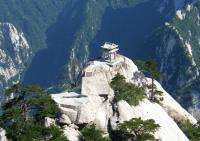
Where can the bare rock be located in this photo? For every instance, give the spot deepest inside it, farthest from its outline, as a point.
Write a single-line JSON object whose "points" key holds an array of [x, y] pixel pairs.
{"points": [[71, 133], [64, 119], [49, 121], [147, 110], [73, 126], [3, 135]]}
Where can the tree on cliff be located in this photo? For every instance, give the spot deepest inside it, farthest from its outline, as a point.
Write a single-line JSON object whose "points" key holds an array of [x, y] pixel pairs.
{"points": [[90, 133], [20, 93], [23, 116], [150, 68], [192, 131], [126, 91], [137, 129]]}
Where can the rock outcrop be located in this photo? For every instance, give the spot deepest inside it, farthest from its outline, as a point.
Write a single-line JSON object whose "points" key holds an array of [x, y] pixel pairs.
{"points": [[72, 133], [65, 120], [94, 102], [3, 135], [147, 110], [49, 122]]}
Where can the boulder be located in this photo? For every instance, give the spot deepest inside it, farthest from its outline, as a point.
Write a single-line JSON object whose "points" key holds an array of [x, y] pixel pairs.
{"points": [[64, 119], [3, 135], [71, 113], [79, 108], [87, 111], [71, 133], [49, 121], [114, 121], [101, 120]]}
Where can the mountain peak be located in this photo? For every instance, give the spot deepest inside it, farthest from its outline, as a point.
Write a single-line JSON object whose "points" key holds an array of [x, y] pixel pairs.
{"points": [[94, 101]]}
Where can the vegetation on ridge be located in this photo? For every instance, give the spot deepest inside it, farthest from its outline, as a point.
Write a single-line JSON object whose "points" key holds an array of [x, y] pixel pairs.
{"points": [[137, 129], [192, 131], [126, 91], [23, 116], [150, 68], [90, 133]]}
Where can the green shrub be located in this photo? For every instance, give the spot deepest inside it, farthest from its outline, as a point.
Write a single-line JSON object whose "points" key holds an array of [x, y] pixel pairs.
{"points": [[150, 68], [23, 116], [138, 130], [92, 134], [192, 131], [127, 91]]}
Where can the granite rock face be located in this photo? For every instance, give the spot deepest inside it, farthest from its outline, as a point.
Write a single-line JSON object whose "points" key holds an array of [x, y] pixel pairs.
{"points": [[93, 103], [15, 53], [147, 110], [3, 135]]}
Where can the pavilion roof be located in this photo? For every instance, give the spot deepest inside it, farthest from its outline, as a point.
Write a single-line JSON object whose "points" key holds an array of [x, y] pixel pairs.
{"points": [[109, 46]]}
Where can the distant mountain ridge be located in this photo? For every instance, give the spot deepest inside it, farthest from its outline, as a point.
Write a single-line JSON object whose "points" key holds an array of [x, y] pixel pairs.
{"points": [[80, 35], [177, 50]]}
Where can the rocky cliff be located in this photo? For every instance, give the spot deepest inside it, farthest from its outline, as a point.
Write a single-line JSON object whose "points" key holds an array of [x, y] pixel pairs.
{"points": [[93, 103], [15, 53], [70, 31], [177, 50], [23, 28]]}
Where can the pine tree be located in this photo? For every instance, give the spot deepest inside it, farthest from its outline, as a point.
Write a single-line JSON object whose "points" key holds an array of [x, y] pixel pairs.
{"points": [[23, 116], [137, 129], [21, 93], [126, 91], [150, 68], [90, 133]]}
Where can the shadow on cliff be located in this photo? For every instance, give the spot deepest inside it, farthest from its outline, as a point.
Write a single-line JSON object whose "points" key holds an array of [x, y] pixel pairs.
{"points": [[129, 28], [47, 63]]}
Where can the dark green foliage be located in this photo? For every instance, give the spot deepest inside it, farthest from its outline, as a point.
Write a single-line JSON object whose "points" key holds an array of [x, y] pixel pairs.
{"points": [[184, 31], [46, 107], [32, 17], [33, 89], [192, 131], [132, 94], [117, 84], [92, 134], [11, 102], [20, 125], [188, 30], [158, 95], [9, 114], [21, 97], [21, 131], [152, 69], [138, 130], [126, 91], [17, 88], [56, 133], [34, 131], [149, 67]]}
